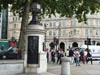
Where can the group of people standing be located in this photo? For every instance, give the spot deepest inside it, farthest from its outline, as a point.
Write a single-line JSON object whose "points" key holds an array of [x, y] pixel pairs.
{"points": [[76, 56], [55, 56], [84, 56]]}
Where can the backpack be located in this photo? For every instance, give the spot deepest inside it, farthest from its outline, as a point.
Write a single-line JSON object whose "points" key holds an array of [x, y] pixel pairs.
{"points": [[76, 54]]}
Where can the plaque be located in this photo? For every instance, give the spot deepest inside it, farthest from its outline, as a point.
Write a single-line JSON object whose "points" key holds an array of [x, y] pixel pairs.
{"points": [[33, 46]]}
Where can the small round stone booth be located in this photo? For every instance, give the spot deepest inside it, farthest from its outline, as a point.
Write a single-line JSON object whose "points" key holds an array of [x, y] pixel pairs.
{"points": [[35, 58]]}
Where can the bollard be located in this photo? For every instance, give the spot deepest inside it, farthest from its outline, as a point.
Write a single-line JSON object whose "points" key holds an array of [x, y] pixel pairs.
{"points": [[65, 66]]}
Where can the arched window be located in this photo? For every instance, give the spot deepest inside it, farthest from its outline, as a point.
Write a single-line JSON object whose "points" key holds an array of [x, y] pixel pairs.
{"points": [[74, 22]]}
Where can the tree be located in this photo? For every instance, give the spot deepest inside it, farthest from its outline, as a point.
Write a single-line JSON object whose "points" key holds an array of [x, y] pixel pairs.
{"points": [[68, 8]]}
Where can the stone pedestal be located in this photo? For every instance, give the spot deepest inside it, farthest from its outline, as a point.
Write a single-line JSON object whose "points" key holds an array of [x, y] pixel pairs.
{"points": [[65, 67], [11, 67], [41, 63]]}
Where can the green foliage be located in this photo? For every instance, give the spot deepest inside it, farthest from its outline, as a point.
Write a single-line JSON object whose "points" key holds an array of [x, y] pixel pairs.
{"points": [[68, 8], [48, 7]]}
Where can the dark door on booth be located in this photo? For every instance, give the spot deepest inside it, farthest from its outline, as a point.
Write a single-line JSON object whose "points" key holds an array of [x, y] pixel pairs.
{"points": [[33, 46]]}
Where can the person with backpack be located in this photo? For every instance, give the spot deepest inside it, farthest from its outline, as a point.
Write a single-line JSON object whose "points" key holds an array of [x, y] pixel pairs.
{"points": [[77, 57], [61, 52]]}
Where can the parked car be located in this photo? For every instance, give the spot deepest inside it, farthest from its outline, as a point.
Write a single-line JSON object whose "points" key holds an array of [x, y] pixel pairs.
{"points": [[8, 54]]}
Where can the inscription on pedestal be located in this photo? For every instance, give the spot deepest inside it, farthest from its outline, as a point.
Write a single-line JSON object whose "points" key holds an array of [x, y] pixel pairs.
{"points": [[33, 44]]}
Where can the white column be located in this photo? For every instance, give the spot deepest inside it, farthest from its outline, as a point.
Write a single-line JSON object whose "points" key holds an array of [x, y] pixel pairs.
{"points": [[65, 67], [0, 24]]}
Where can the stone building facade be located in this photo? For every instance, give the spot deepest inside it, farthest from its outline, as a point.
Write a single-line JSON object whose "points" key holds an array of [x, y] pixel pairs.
{"points": [[70, 32]]}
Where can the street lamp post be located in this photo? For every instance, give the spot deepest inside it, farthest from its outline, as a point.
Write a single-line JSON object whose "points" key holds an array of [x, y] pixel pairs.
{"points": [[69, 39], [70, 33], [58, 27], [45, 36], [87, 43]]}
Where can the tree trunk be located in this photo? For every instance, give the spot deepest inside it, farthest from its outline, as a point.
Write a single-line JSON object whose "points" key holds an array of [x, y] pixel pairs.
{"points": [[24, 23]]}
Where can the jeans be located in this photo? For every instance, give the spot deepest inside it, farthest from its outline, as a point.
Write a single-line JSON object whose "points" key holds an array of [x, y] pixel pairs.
{"points": [[77, 61], [72, 60]]}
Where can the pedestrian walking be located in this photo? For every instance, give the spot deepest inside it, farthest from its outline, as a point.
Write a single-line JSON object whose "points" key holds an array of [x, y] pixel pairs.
{"points": [[85, 56], [53, 56], [61, 55], [89, 56], [77, 57], [71, 55], [58, 56], [47, 55]]}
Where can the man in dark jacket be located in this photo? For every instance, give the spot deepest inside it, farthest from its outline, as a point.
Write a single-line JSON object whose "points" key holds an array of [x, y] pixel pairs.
{"points": [[71, 55]]}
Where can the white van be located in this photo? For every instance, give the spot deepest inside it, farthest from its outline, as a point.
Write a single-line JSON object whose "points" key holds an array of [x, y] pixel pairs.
{"points": [[95, 51]]}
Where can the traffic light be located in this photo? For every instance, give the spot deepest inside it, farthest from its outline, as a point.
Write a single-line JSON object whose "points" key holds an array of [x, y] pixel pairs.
{"points": [[93, 42], [89, 41], [85, 42], [55, 40]]}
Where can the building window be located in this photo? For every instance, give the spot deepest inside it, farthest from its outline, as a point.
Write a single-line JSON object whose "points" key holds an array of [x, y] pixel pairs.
{"points": [[96, 32], [86, 32], [74, 22], [64, 24], [14, 33], [64, 33], [50, 33], [15, 26], [59, 24], [97, 22], [54, 34], [74, 32], [54, 24], [14, 18], [50, 24], [91, 22], [91, 32]]}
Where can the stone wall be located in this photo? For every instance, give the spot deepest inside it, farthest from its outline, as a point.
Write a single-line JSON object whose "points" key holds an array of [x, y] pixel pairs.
{"points": [[11, 67]]}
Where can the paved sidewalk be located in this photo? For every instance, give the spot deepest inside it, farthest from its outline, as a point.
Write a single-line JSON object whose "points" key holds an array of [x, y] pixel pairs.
{"points": [[84, 69]]}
